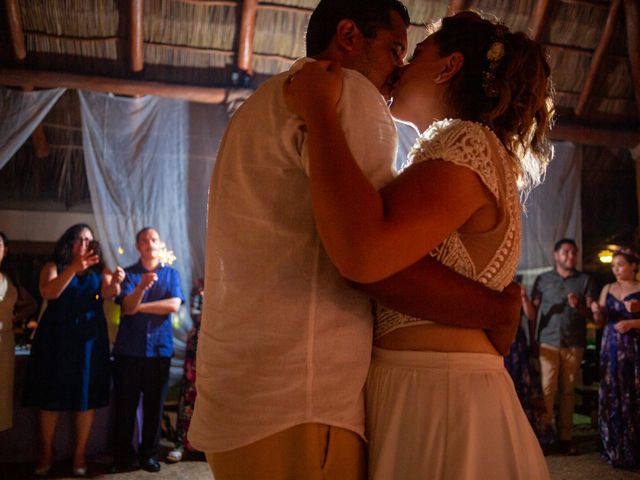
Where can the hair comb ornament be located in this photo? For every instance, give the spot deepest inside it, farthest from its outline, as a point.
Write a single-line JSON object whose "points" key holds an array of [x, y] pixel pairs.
{"points": [[495, 54]]}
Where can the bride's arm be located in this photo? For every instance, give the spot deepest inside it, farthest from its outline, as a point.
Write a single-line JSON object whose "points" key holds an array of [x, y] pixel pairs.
{"points": [[370, 235]]}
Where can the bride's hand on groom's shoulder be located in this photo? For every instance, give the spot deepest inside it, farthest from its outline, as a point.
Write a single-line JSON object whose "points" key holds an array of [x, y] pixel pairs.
{"points": [[316, 86]]}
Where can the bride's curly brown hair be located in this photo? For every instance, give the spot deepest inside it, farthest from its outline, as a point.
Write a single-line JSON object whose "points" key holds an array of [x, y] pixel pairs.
{"points": [[518, 103]]}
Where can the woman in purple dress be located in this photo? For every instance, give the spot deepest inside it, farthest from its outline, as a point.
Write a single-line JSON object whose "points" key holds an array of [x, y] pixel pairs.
{"points": [[619, 395]]}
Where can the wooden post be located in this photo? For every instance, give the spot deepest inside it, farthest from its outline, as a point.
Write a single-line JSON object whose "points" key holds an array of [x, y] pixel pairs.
{"points": [[137, 35], [247, 32], [632, 16], [40, 144], [457, 5], [583, 135], [537, 23], [635, 155], [44, 79], [15, 29], [598, 56]]}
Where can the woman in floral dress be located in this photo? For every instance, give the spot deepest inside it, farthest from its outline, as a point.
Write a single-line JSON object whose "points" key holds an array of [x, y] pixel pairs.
{"points": [[188, 384], [619, 395]]}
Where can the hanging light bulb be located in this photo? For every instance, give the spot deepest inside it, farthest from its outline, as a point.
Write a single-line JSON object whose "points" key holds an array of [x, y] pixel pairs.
{"points": [[605, 256]]}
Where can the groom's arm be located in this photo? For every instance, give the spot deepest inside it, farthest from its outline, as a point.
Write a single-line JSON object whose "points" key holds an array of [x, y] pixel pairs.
{"points": [[428, 289]]}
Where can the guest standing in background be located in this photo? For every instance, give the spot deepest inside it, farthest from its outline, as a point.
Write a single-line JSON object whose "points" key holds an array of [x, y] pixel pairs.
{"points": [[68, 369], [142, 351], [619, 394], [561, 298]]}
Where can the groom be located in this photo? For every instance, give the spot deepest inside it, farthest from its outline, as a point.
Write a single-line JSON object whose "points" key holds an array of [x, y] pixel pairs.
{"points": [[285, 344]]}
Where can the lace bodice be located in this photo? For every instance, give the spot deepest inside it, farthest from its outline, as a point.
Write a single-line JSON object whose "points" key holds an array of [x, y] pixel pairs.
{"points": [[490, 257]]}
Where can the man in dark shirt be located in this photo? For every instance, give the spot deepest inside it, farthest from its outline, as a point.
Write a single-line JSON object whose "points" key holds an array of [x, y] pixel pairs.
{"points": [[142, 351], [562, 298]]}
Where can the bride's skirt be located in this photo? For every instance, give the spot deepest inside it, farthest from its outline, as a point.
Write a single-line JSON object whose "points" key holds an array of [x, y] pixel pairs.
{"points": [[447, 416]]}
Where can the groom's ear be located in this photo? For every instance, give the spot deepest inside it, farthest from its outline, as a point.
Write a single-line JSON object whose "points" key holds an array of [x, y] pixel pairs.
{"points": [[348, 34], [452, 65]]}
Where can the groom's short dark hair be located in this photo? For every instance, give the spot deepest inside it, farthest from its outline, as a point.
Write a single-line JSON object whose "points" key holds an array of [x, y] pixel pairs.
{"points": [[368, 15]]}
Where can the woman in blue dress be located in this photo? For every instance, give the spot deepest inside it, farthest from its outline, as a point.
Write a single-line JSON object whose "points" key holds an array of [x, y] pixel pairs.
{"points": [[68, 368], [619, 395]]}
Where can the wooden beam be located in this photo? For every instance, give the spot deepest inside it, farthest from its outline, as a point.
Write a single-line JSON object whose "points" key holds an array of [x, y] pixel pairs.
{"points": [[598, 55], [582, 51], [69, 38], [137, 35], [44, 79], [14, 20], [538, 19], [187, 48], [39, 139], [637, 169], [247, 31], [632, 16], [628, 139], [212, 3], [40, 144], [285, 8], [456, 6], [592, 3]]}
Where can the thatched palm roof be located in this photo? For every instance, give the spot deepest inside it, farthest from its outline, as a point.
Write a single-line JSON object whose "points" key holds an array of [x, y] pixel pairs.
{"points": [[593, 45]]}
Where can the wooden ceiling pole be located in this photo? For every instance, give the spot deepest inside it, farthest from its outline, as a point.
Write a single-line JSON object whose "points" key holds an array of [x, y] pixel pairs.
{"points": [[538, 19], [12, 10], [611, 138], [632, 19], [137, 35], [632, 16], [457, 5], [44, 79], [598, 55], [39, 139], [247, 32], [40, 144]]}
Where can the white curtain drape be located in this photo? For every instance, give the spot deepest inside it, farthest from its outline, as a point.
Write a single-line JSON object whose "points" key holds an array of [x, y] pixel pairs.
{"points": [[553, 211], [406, 138], [136, 160], [21, 113], [206, 127]]}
